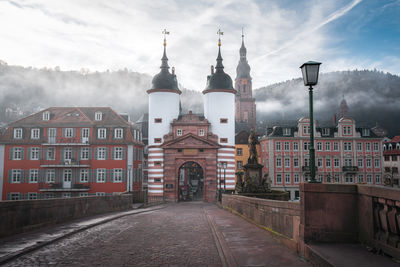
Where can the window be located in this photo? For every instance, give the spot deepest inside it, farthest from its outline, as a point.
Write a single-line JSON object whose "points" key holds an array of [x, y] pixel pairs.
{"points": [[98, 116], [118, 153], [84, 153], [279, 178], [327, 146], [35, 133], [157, 120], [328, 162], [377, 179], [46, 116], [325, 131], [179, 132], [347, 146], [328, 178], [287, 162], [394, 157], [15, 196], [239, 165], [295, 146], [319, 146], [348, 162], [349, 178], [286, 146], [336, 163], [65, 195], [201, 132], [119, 133], [360, 163], [101, 153], [68, 132], [50, 176], [359, 146], [100, 194], [157, 140], [278, 146], [337, 178], [48, 195], [83, 194], [223, 120], [117, 176], [85, 132], [101, 175], [50, 153], [387, 158], [306, 145], [34, 153], [18, 133], [369, 178], [101, 133], [377, 163], [319, 162], [306, 129], [16, 176], [306, 162], [32, 196], [336, 146], [295, 162], [33, 176], [67, 175], [286, 131], [296, 178], [361, 178], [287, 178], [376, 146], [278, 162], [223, 140], [239, 151], [68, 153], [84, 176], [17, 153], [368, 146], [368, 163], [346, 130], [365, 132], [320, 177]]}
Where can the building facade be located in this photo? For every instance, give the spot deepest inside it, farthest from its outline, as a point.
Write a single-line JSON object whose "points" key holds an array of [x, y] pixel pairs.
{"points": [[391, 163], [242, 152], [245, 104], [344, 154], [70, 151], [186, 150]]}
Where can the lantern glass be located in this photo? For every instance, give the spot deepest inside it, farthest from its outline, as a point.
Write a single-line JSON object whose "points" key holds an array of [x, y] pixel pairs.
{"points": [[310, 72]]}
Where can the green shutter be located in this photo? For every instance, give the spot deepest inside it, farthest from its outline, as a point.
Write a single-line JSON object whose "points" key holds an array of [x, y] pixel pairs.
{"points": [[62, 155], [112, 179], [40, 153], [11, 153], [73, 132], [123, 153], [28, 154], [113, 153], [22, 153], [107, 178], [95, 153], [9, 176], [123, 175], [90, 153], [79, 156]]}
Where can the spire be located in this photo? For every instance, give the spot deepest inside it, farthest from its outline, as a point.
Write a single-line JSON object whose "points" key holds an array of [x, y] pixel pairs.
{"points": [[243, 49], [344, 109], [164, 59], [219, 67], [243, 68]]}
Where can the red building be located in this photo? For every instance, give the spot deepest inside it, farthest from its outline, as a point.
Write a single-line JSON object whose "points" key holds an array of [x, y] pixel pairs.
{"points": [[70, 151]]}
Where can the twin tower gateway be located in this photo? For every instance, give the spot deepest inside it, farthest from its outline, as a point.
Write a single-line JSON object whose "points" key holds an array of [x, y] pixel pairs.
{"points": [[191, 156]]}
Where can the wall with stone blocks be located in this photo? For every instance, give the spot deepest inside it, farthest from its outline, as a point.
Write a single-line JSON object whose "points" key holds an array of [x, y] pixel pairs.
{"points": [[24, 215], [280, 217]]}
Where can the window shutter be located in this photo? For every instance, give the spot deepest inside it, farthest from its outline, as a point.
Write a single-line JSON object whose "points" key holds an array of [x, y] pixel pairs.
{"points": [[24, 176], [40, 153], [23, 133], [9, 176], [58, 176], [11, 152], [90, 153], [123, 175], [22, 153], [73, 156], [113, 153], [73, 132], [134, 153], [26, 196], [108, 133], [95, 153], [94, 177], [28, 155], [113, 133], [123, 153], [41, 131], [8, 196], [62, 155], [89, 175], [107, 150], [112, 176], [124, 133], [79, 157]]}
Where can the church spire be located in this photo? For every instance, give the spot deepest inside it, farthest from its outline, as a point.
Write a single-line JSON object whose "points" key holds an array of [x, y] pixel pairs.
{"points": [[243, 50], [243, 68]]}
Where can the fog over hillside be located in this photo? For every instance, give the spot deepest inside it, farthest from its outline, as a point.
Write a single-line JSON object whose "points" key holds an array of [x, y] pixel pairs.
{"points": [[372, 96]]}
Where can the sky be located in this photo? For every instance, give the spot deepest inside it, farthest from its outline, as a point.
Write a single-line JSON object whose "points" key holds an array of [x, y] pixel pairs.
{"points": [[279, 35]]}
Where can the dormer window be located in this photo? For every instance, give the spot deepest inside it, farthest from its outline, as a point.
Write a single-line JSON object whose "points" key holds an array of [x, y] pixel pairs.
{"points": [[346, 130], [286, 131], [326, 131], [35, 133], [365, 132], [201, 132], [118, 133], [17, 133], [179, 132], [306, 129], [46, 116], [98, 116]]}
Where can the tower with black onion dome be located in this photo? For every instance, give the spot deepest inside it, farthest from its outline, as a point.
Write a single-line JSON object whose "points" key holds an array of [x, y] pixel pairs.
{"points": [[245, 104]]}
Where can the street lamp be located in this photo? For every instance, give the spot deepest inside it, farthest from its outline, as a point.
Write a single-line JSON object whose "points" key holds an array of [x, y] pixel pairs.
{"points": [[129, 177], [310, 71], [219, 165], [224, 166]]}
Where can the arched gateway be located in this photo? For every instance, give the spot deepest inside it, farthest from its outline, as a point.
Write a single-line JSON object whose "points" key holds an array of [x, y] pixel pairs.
{"points": [[190, 182]]}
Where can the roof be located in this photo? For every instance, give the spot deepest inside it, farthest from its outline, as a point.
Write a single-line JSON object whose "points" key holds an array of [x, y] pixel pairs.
{"points": [[396, 139]]}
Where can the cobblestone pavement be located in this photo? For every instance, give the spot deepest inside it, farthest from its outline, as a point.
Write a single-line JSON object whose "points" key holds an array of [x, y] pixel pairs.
{"points": [[182, 234]]}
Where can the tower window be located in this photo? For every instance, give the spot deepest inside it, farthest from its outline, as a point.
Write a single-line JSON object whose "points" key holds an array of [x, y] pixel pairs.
{"points": [[157, 120], [223, 140], [179, 132], [223, 120], [201, 132], [157, 140]]}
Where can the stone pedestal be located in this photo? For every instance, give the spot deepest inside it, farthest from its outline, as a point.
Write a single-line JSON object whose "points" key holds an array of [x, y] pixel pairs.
{"points": [[253, 171]]}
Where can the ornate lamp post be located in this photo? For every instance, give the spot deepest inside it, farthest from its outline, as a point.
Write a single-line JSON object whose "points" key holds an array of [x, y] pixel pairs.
{"points": [[220, 187], [310, 72]]}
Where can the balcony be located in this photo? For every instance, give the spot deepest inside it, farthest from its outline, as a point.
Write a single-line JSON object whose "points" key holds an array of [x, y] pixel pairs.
{"points": [[67, 163], [64, 141], [391, 170], [306, 169], [350, 169], [64, 187]]}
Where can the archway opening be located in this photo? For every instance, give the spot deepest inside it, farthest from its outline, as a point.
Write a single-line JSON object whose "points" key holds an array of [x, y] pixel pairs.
{"points": [[191, 182]]}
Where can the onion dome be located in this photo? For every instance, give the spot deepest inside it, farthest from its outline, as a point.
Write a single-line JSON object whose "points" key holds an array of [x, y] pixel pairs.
{"points": [[243, 68], [165, 79], [219, 79]]}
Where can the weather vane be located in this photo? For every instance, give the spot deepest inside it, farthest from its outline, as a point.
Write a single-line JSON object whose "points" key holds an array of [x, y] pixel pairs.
{"points": [[219, 36], [165, 32]]}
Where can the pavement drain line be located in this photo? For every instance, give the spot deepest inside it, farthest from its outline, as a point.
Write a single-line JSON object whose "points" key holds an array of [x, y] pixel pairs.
{"points": [[15, 255], [222, 247]]}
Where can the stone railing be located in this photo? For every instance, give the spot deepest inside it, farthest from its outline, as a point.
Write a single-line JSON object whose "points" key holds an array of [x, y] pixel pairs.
{"points": [[282, 218], [24, 215]]}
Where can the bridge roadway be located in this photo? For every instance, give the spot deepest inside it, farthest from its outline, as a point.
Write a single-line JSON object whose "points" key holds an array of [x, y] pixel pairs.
{"points": [[181, 234]]}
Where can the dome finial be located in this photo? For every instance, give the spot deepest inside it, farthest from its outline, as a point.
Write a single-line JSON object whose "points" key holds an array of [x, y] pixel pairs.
{"points": [[219, 66], [164, 59]]}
